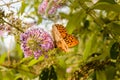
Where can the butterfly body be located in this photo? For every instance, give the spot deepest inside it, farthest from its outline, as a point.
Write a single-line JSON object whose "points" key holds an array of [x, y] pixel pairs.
{"points": [[62, 39]]}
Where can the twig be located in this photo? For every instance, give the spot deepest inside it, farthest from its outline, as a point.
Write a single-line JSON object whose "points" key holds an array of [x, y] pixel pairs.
{"points": [[92, 14], [6, 4], [13, 26]]}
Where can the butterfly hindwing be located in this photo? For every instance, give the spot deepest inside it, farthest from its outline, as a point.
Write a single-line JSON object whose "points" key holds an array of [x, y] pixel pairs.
{"points": [[59, 39]]}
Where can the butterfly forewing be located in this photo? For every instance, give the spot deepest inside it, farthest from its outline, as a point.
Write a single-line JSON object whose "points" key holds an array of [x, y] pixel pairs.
{"points": [[70, 40], [61, 30]]}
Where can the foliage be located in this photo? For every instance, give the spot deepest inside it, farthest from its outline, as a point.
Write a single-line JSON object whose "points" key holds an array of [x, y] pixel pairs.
{"points": [[96, 57]]}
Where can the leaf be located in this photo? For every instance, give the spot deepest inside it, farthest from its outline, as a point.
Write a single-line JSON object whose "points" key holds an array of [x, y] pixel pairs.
{"points": [[88, 47], [106, 6], [110, 72], [36, 11], [60, 72], [39, 19], [24, 70], [100, 75], [86, 24], [44, 74], [34, 61], [25, 60], [23, 6], [36, 2], [115, 50], [52, 74], [75, 5], [48, 74], [2, 58], [115, 28], [61, 67], [23, 67], [1, 76], [75, 20], [19, 50], [108, 1], [63, 15]]}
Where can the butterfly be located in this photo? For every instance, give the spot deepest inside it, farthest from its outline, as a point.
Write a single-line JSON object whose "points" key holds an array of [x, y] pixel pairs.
{"points": [[62, 39]]}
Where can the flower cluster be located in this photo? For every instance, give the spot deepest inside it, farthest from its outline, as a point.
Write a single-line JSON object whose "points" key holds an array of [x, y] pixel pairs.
{"points": [[36, 42], [52, 9]]}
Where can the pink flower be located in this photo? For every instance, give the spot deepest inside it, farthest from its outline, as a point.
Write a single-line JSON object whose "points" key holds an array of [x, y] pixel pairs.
{"points": [[43, 6], [36, 42], [1, 32]]}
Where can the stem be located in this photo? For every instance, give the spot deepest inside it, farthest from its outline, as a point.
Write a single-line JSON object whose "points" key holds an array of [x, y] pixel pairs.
{"points": [[48, 7], [8, 55], [7, 4], [92, 14], [13, 26]]}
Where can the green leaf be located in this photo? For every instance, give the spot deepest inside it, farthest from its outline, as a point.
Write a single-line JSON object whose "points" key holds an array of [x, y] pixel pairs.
{"points": [[75, 20], [115, 50], [25, 60], [36, 2], [106, 6], [115, 28], [23, 6], [19, 51], [61, 67], [75, 5], [110, 72], [24, 67], [108, 1], [39, 19], [1, 76], [61, 61], [88, 47], [60, 72], [25, 71], [63, 15], [100, 75], [34, 61], [2, 58]]}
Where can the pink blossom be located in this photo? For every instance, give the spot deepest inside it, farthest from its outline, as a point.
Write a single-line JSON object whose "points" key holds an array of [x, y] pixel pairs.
{"points": [[1, 32], [43, 6], [36, 42]]}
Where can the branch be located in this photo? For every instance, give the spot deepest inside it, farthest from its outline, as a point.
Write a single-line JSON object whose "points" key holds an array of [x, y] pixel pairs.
{"points": [[13, 26], [92, 14], [7, 4]]}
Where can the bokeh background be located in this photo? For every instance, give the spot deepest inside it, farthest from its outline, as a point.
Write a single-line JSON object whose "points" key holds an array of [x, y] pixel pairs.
{"points": [[95, 23]]}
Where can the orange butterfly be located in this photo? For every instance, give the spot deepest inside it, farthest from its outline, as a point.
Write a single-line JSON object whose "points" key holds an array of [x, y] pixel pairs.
{"points": [[62, 39]]}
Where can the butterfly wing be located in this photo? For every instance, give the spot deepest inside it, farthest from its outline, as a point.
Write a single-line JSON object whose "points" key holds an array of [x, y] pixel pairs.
{"points": [[62, 39], [71, 40], [59, 39], [61, 30]]}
